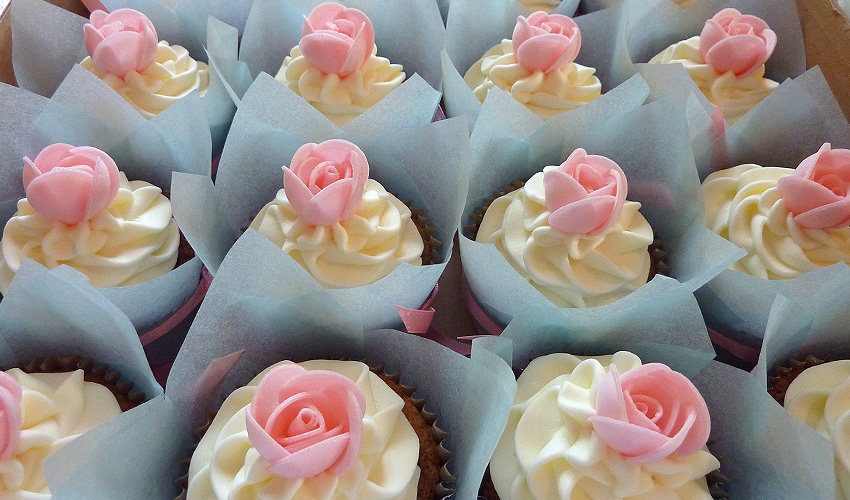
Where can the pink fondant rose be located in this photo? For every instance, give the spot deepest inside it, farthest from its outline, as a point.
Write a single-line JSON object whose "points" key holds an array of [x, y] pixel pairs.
{"points": [[306, 422], [70, 184], [731, 41], [11, 416], [325, 182], [585, 193], [649, 413], [121, 41], [545, 42], [818, 194], [337, 39]]}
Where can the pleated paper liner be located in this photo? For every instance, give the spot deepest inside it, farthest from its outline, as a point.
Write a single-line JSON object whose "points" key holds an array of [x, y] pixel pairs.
{"points": [[433, 456]]}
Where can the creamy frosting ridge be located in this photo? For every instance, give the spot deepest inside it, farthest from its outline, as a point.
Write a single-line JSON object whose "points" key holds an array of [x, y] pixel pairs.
{"points": [[544, 5], [571, 270], [172, 75], [820, 397], [353, 252], [736, 95], [339, 98], [226, 466], [744, 206], [57, 407], [546, 94], [133, 240], [549, 450]]}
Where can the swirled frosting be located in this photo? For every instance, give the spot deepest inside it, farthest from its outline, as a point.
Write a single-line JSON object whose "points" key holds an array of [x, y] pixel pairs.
{"points": [[172, 75], [135, 239], [571, 270], [57, 407], [546, 94], [353, 252], [744, 206], [549, 450], [736, 95], [544, 5], [341, 99], [226, 466], [820, 397]]}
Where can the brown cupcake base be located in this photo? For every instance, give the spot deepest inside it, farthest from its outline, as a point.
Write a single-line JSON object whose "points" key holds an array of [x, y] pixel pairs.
{"points": [[783, 375]]}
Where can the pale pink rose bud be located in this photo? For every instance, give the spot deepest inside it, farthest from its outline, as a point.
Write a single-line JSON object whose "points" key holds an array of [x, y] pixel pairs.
{"points": [[337, 39], [325, 181], [585, 194], [650, 413], [818, 192], [305, 422], [121, 41], [545, 42], [731, 41], [11, 415], [70, 184]]}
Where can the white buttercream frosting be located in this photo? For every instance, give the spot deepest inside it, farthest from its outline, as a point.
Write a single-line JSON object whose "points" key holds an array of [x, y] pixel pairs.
{"points": [[544, 5], [820, 397], [549, 450], [341, 99], [546, 94], [736, 95], [135, 239], [225, 466], [571, 270], [353, 252], [172, 75], [744, 206], [56, 407]]}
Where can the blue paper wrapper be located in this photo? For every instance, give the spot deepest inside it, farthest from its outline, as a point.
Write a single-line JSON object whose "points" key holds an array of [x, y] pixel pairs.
{"points": [[48, 45], [651, 145], [246, 313], [146, 150], [427, 164], [765, 453]]}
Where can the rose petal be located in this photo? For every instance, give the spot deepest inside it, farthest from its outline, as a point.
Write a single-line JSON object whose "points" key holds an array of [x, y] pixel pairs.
{"points": [[330, 205], [561, 189], [741, 54], [831, 216], [297, 192], [311, 461], [588, 216], [610, 402], [802, 195], [61, 194], [548, 52]]}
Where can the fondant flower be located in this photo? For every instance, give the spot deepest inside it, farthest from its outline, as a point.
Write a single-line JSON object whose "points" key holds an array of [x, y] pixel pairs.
{"points": [[649, 413], [337, 39], [70, 184], [121, 41], [731, 41], [585, 193], [325, 182], [305, 422], [817, 193], [545, 42], [11, 416]]}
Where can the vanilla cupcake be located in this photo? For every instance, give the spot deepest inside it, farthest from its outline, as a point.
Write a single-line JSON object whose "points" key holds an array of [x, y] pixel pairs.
{"points": [[124, 52], [537, 67], [335, 67], [726, 61]]}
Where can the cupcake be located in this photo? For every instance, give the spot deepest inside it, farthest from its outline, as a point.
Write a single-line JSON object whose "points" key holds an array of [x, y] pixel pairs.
{"points": [[124, 52], [726, 61], [790, 221], [81, 211], [572, 234], [330, 426], [603, 427], [543, 75], [344, 228], [335, 66]]}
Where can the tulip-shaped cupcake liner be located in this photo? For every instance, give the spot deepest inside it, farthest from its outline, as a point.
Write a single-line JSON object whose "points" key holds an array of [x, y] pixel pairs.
{"points": [[56, 313], [757, 444], [49, 45], [427, 165], [468, 40], [247, 323], [650, 146], [150, 152], [410, 34], [737, 305]]}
